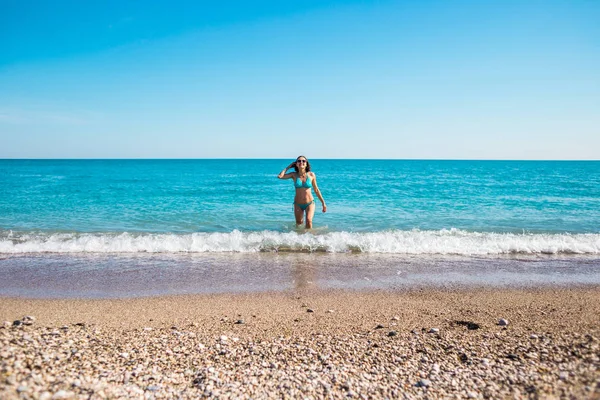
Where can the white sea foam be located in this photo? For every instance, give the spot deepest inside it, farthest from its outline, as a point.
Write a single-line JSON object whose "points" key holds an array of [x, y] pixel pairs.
{"points": [[446, 241]]}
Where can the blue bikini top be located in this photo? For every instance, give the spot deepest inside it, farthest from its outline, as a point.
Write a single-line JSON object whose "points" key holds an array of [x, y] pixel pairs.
{"points": [[299, 184]]}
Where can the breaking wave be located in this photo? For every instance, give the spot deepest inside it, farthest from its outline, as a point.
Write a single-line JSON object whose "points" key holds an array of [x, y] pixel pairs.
{"points": [[445, 241]]}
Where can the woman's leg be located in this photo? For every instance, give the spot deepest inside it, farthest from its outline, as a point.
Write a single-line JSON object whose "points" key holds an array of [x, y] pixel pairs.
{"points": [[310, 213], [298, 213]]}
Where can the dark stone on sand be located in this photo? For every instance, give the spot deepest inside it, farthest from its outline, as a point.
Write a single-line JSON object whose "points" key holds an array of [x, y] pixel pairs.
{"points": [[392, 333], [17, 323], [379, 326], [310, 310], [239, 322], [469, 324]]}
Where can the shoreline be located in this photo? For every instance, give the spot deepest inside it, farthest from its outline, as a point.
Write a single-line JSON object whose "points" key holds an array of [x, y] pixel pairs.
{"points": [[117, 276], [314, 343]]}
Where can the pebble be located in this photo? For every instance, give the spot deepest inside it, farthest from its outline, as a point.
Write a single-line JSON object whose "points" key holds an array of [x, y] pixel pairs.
{"points": [[503, 322], [434, 330], [424, 383], [310, 310], [239, 322], [62, 394], [533, 336], [392, 333], [379, 326], [564, 375]]}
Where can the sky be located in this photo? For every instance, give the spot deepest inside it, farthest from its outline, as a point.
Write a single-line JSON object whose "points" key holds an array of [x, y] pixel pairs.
{"points": [[274, 79]]}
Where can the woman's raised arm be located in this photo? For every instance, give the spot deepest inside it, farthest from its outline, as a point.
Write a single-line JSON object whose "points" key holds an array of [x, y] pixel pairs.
{"points": [[283, 175]]}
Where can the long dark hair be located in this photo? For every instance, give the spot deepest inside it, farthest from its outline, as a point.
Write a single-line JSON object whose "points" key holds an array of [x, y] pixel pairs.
{"points": [[307, 164]]}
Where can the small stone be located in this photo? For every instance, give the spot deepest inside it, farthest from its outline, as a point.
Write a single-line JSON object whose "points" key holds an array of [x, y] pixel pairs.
{"points": [[28, 320], [392, 333], [310, 310], [124, 355], [224, 338], [395, 319], [423, 383], [17, 323], [239, 322], [153, 388], [503, 322], [533, 336], [62, 394], [564, 375], [379, 326], [434, 330], [472, 395], [45, 396], [330, 311]]}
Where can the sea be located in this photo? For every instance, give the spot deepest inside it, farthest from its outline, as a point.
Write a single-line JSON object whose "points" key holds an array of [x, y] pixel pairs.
{"points": [[128, 228]]}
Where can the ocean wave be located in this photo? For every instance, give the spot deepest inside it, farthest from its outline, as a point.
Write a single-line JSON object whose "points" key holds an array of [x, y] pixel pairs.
{"points": [[411, 242]]}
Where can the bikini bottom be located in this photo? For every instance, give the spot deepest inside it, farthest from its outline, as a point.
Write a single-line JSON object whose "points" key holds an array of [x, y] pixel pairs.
{"points": [[304, 206]]}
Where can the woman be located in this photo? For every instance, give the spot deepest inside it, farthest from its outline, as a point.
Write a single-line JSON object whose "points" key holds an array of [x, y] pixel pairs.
{"points": [[304, 180]]}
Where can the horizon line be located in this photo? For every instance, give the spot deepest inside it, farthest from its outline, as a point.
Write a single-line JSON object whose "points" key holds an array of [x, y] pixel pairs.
{"points": [[280, 158]]}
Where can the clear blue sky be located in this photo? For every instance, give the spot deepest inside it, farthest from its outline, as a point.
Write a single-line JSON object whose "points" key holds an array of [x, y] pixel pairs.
{"points": [[329, 79]]}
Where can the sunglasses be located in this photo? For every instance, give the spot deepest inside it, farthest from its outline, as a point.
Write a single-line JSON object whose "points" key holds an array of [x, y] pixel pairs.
{"points": [[301, 161]]}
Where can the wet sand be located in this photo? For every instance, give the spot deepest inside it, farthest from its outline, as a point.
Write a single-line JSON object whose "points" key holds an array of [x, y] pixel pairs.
{"points": [[421, 343]]}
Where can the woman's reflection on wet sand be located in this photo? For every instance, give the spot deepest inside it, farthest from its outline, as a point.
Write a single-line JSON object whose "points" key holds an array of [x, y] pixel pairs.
{"points": [[304, 274]]}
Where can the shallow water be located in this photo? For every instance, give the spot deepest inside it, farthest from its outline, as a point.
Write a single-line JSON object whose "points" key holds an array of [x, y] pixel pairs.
{"points": [[117, 276]]}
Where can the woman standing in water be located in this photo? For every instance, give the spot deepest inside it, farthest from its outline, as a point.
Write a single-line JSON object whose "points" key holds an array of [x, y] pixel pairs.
{"points": [[304, 180]]}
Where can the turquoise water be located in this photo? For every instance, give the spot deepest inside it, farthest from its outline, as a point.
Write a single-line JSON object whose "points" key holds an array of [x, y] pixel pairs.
{"points": [[376, 206]]}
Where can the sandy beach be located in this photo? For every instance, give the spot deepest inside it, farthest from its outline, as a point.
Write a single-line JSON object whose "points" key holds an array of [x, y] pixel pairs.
{"points": [[422, 343]]}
